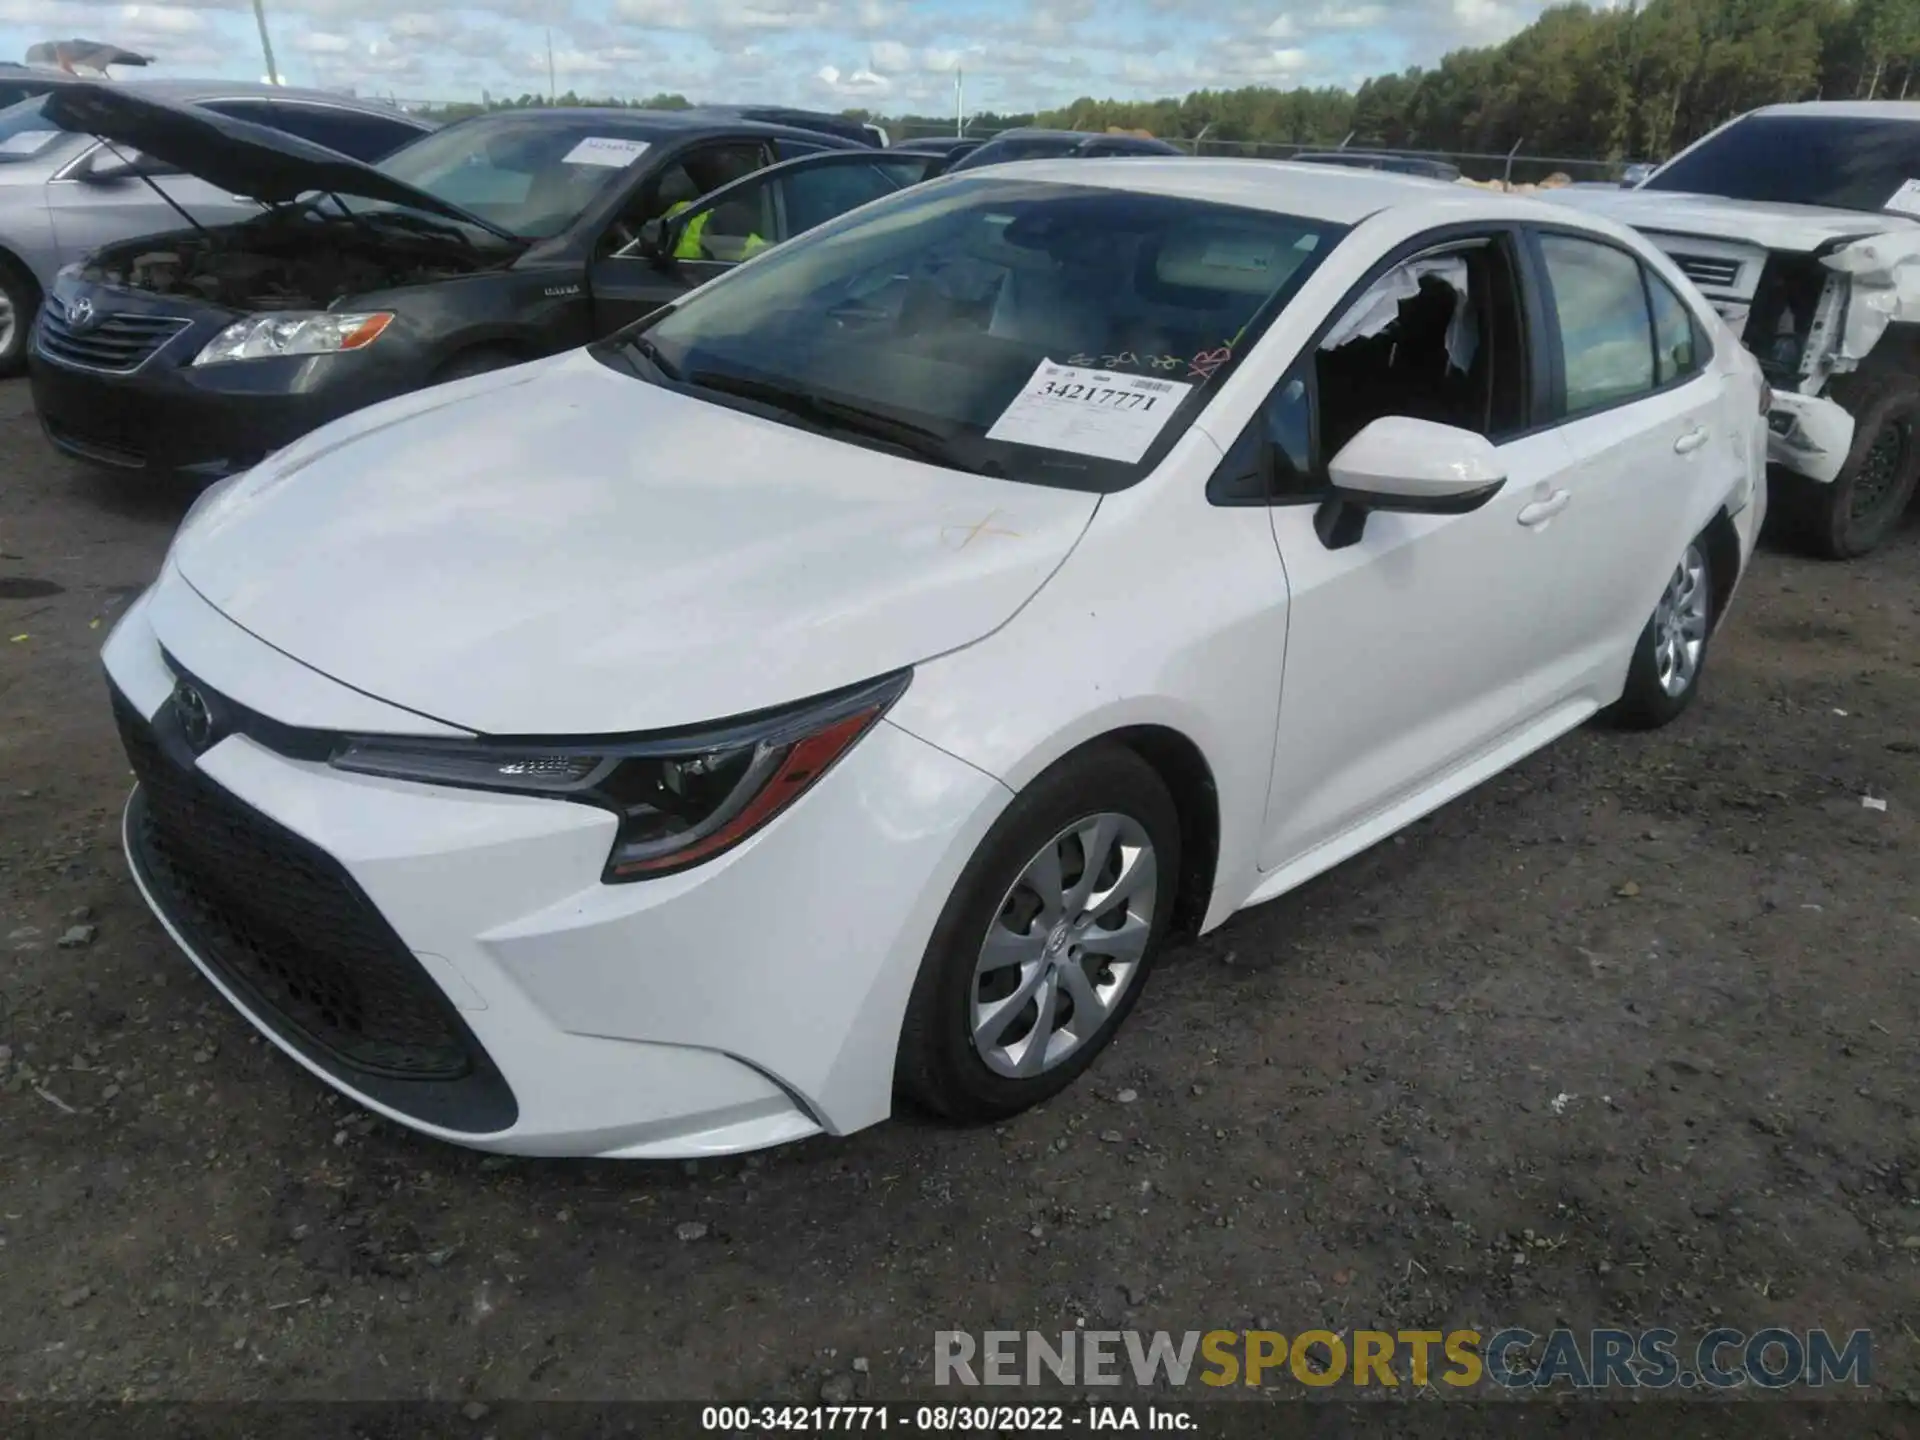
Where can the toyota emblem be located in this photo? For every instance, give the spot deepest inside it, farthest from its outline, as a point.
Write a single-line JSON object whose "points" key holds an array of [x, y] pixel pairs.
{"points": [[196, 719], [80, 315]]}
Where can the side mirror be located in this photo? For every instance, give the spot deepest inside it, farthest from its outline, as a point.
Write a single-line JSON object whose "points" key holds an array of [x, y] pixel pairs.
{"points": [[1399, 463]]}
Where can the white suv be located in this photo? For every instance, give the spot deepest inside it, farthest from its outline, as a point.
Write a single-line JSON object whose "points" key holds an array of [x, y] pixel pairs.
{"points": [[1801, 224]]}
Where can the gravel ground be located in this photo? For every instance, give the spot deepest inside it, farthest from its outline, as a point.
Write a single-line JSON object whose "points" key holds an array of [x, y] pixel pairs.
{"points": [[1626, 1037]]}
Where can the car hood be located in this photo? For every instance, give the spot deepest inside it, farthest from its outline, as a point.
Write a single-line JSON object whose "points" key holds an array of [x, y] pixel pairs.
{"points": [[1800, 228], [239, 157], [560, 548]]}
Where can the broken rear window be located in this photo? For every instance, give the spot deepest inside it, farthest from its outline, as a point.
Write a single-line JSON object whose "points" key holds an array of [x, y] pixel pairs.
{"points": [[1838, 162]]}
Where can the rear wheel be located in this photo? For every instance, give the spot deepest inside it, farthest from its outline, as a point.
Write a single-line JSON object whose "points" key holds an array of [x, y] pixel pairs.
{"points": [[1672, 650], [19, 304], [1045, 944], [1867, 498]]}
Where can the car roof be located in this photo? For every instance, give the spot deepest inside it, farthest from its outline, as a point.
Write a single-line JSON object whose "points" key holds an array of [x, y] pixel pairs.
{"points": [[656, 124], [185, 92], [1336, 193], [1847, 109]]}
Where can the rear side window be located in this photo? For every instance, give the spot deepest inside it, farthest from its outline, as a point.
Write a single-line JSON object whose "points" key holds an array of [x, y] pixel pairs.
{"points": [[1606, 334], [1676, 348]]}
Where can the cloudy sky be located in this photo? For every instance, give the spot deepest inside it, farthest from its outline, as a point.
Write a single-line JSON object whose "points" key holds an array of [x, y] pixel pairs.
{"points": [[892, 55]]}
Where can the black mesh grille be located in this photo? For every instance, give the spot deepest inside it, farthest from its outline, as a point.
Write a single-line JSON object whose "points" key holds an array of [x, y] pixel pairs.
{"points": [[283, 923], [114, 343]]}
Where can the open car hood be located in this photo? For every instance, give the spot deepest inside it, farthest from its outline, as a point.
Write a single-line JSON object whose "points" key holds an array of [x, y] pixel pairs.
{"points": [[236, 155]]}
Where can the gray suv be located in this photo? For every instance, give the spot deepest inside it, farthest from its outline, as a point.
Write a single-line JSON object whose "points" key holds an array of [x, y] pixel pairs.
{"points": [[63, 196]]}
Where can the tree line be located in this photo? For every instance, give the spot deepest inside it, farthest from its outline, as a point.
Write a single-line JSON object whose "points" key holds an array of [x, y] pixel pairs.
{"points": [[1634, 82], [1627, 83]]}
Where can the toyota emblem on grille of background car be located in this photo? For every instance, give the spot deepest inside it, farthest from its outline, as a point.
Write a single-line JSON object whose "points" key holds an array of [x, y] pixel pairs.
{"points": [[196, 719], [80, 315]]}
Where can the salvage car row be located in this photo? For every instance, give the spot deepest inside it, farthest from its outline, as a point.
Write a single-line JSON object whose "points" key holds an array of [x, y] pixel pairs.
{"points": [[839, 680], [309, 285]]}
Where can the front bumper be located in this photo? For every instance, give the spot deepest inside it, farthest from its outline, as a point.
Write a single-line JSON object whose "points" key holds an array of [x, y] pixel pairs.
{"points": [[746, 1002], [205, 422], [1808, 435]]}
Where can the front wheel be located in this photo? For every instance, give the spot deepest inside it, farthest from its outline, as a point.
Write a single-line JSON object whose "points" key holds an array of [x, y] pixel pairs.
{"points": [[1045, 944], [19, 303], [1672, 650], [1873, 489]]}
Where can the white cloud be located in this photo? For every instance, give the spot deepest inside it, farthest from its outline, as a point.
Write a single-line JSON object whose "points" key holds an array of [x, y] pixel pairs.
{"points": [[1019, 55], [862, 84]]}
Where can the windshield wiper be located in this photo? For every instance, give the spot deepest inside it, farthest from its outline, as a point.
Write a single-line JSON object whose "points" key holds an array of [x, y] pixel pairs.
{"points": [[834, 416], [649, 355]]}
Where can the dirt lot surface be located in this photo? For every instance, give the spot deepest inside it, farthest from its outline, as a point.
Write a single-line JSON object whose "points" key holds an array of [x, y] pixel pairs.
{"points": [[1629, 1036]]}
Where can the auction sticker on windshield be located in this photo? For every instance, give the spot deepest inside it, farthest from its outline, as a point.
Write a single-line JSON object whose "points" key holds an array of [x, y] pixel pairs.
{"points": [[1905, 200], [605, 150], [1089, 412]]}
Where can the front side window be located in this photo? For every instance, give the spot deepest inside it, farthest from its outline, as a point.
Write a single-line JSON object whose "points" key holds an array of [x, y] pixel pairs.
{"points": [[677, 187], [780, 205], [1439, 336], [924, 321], [1606, 337]]}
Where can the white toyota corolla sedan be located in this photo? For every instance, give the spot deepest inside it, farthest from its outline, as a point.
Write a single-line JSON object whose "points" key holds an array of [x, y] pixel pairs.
{"points": [[840, 685]]}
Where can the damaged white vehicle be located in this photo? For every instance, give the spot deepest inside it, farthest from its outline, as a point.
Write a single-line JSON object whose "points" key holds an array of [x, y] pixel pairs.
{"points": [[1801, 225]]}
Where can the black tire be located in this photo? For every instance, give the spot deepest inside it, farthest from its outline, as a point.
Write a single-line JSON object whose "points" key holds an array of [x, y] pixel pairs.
{"points": [[939, 1067], [1873, 489], [1647, 702], [22, 301], [476, 362]]}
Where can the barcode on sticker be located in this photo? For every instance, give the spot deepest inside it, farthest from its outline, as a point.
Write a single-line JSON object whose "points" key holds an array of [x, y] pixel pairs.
{"points": [[1161, 385]]}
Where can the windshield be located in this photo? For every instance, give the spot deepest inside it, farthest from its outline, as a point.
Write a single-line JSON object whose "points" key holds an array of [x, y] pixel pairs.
{"points": [[25, 132], [529, 174], [1058, 334], [1839, 162]]}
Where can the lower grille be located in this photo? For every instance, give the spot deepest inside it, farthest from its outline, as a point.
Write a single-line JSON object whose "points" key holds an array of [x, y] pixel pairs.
{"points": [[289, 932], [117, 344], [280, 920], [108, 450]]}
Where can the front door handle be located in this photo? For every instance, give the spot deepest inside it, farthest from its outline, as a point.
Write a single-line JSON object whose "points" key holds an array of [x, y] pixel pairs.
{"points": [[1690, 442], [1541, 511]]}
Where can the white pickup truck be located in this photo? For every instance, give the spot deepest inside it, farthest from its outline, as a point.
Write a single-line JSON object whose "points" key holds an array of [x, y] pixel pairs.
{"points": [[1801, 224]]}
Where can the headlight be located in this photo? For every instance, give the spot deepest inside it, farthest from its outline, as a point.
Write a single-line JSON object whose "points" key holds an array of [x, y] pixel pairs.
{"points": [[294, 332], [682, 799]]}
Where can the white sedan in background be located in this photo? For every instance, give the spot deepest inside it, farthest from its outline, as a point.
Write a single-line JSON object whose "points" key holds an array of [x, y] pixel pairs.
{"points": [[840, 686]]}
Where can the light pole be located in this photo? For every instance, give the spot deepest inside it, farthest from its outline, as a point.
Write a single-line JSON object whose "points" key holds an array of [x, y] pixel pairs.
{"points": [[266, 45], [959, 100]]}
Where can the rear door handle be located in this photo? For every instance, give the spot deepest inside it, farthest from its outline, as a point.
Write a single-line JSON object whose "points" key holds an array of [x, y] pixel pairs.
{"points": [[1541, 511], [1690, 442]]}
